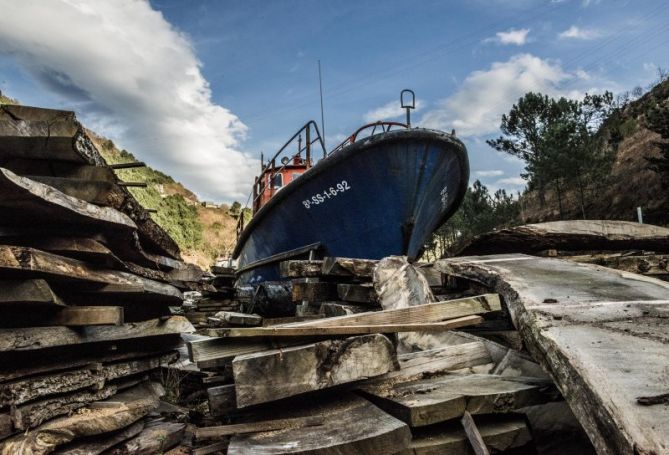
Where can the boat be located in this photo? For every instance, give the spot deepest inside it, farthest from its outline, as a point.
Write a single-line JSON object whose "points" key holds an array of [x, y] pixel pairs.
{"points": [[383, 191]]}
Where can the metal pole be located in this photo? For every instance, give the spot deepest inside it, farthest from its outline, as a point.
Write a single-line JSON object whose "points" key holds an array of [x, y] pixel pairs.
{"points": [[639, 215], [320, 86]]}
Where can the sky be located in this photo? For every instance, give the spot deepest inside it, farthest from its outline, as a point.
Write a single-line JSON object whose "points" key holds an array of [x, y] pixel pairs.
{"points": [[199, 88]]}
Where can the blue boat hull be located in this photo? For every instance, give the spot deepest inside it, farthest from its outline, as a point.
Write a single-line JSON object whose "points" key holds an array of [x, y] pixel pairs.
{"points": [[384, 195]]}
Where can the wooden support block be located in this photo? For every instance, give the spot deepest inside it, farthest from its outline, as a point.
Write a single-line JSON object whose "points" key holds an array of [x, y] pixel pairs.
{"points": [[472, 432], [86, 249], [27, 292], [222, 400], [76, 316], [356, 293], [351, 426], [360, 268], [500, 435], [313, 291], [434, 400], [28, 339], [420, 314], [327, 330], [300, 269], [244, 319], [280, 373]]}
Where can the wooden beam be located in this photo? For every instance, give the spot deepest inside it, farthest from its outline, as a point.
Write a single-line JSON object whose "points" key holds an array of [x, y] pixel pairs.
{"points": [[208, 433], [300, 269], [356, 293], [473, 434], [585, 324], [420, 314], [94, 192], [73, 316], [32, 388], [351, 426], [434, 400], [156, 438], [571, 235], [245, 319], [313, 291], [28, 339], [350, 267], [222, 400], [328, 330], [135, 404], [102, 443], [27, 262], [272, 375], [27, 292], [500, 435]]}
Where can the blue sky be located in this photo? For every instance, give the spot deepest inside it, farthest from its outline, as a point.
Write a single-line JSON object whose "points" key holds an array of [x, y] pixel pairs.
{"points": [[199, 88]]}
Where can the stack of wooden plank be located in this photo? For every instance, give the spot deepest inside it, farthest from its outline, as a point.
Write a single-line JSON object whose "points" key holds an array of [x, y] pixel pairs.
{"points": [[622, 245], [396, 378], [85, 294], [216, 294]]}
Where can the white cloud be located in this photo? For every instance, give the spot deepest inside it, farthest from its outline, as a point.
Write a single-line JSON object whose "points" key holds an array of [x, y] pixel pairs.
{"points": [[390, 111], [491, 173], [511, 36], [476, 108], [126, 69], [575, 32], [512, 181]]}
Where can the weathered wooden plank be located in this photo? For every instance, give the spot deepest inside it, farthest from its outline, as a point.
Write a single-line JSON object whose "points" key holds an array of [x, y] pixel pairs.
{"points": [[27, 339], [83, 248], [26, 200], [73, 316], [134, 403], [333, 309], [222, 399], [313, 291], [30, 415], [586, 324], [571, 235], [27, 292], [429, 312], [360, 268], [154, 438], [95, 192], [351, 426], [100, 444], [656, 265], [28, 262], [31, 388], [356, 293], [208, 433], [244, 319], [300, 269], [473, 434], [435, 400], [358, 329], [271, 375], [450, 439], [6, 426], [219, 352]]}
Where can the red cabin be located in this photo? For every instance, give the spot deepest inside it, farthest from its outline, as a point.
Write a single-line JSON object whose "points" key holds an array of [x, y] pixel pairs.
{"points": [[272, 179]]}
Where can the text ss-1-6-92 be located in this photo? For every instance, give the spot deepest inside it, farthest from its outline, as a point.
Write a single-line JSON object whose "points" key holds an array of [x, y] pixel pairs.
{"points": [[326, 194]]}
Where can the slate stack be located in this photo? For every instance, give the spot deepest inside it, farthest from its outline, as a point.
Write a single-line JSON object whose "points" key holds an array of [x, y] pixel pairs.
{"points": [[87, 280]]}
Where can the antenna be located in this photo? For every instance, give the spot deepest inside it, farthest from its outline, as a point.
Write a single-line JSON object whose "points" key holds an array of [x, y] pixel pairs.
{"points": [[320, 85]]}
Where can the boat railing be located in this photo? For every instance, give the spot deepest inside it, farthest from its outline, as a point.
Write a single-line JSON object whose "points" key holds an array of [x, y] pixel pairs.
{"points": [[375, 127], [312, 136]]}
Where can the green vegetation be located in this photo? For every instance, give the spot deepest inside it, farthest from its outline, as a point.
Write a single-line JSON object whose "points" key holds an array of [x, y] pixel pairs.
{"points": [[560, 143], [657, 120], [6, 100], [480, 212]]}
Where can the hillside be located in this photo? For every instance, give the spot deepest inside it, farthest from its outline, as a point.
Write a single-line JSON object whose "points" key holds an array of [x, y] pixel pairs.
{"points": [[631, 183], [202, 233]]}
